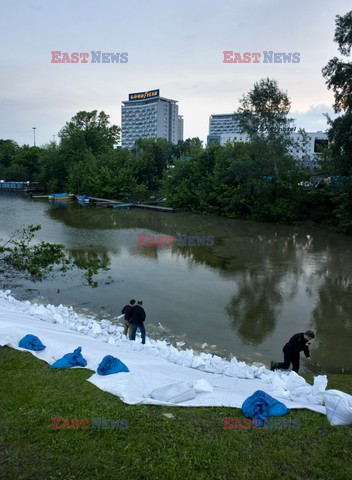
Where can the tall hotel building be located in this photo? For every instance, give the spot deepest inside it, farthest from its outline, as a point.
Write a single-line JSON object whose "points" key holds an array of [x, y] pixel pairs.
{"points": [[147, 115]]}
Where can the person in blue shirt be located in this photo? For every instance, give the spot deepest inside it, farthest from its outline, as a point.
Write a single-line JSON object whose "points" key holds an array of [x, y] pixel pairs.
{"points": [[292, 349]]}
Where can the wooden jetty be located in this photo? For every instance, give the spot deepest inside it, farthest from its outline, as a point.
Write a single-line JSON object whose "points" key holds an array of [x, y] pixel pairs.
{"points": [[103, 201], [106, 203], [154, 207], [123, 205]]}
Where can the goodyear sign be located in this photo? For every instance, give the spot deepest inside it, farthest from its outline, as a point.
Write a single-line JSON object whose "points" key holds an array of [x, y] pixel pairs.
{"points": [[144, 95]]}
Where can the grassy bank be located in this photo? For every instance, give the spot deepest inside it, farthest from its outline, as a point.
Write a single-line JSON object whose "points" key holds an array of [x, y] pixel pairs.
{"points": [[191, 445]]}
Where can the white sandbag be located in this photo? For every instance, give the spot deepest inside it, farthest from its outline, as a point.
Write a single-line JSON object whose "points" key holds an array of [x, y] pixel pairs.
{"points": [[202, 386], [318, 390], [338, 407], [174, 393], [293, 382]]}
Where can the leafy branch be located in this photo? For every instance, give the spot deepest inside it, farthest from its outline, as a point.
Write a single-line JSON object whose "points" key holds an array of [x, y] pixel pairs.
{"points": [[40, 260]]}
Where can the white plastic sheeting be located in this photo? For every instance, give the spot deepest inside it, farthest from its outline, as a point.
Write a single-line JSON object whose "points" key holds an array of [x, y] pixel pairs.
{"points": [[216, 381]]}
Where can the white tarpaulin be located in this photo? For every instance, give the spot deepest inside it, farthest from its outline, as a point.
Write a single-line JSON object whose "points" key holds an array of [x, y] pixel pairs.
{"points": [[216, 381]]}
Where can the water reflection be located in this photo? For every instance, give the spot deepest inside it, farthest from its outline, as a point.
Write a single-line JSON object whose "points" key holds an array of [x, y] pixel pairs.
{"points": [[84, 258], [253, 310], [252, 290], [266, 265], [332, 313]]}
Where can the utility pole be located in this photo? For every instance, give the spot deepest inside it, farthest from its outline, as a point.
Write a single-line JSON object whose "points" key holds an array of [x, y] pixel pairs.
{"points": [[34, 129]]}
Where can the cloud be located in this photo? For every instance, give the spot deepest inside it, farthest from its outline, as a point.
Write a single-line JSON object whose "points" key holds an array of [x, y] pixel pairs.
{"points": [[313, 119]]}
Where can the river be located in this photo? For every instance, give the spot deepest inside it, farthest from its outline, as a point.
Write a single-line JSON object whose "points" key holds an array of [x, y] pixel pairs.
{"points": [[245, 296]]}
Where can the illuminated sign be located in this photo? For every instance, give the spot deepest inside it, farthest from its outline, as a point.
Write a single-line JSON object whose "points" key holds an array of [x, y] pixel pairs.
{"points": [[143, 95]]}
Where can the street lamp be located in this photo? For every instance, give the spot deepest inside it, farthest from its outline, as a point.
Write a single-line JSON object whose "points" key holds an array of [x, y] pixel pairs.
{"points": [[34, 129]]}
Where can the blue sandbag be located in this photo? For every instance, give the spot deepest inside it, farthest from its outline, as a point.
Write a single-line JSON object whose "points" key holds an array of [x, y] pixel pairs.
{"points": [[110, 365], [70, 360], [261, 406], [31, 342]]}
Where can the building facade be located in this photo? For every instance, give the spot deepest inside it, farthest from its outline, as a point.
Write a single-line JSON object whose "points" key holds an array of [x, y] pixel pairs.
{"points": [[147, 115], [224, 123], [306, 149], [225, 127]]}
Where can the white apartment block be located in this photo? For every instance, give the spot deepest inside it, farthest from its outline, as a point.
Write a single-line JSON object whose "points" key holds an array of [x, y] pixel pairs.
{"points": [[224, 123], [147, 115], [307, 151], [225, 128]]}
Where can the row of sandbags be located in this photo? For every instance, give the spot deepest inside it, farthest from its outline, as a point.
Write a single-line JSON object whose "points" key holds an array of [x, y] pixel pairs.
{"points": [[107, 366], [259, 405]]}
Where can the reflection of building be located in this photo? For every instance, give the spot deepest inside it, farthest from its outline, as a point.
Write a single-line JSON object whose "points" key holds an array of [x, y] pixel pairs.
{"points": [[147, 115], [225, 128]]}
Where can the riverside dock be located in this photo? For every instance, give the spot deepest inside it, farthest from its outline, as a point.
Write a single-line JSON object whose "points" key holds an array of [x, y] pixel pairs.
{"points": [[154, 207], [104, 202]]}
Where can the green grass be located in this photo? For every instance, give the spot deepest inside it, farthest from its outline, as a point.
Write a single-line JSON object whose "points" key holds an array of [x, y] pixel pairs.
{"points": [[192, 445]]}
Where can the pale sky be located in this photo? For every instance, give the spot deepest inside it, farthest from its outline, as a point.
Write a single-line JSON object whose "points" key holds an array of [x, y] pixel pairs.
{"points": [[174, 46]]}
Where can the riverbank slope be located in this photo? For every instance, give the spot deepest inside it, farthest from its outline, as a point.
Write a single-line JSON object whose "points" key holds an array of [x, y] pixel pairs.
{"points": [[190, 445]]}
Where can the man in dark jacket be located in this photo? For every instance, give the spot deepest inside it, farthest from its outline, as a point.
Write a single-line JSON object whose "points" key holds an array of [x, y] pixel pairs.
{"points": [[293, 347], [137, 317], [127, 329]]}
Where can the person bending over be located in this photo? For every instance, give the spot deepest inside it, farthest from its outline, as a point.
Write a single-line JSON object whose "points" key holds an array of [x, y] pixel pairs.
{"points": [[127, 329], [293, 347]]}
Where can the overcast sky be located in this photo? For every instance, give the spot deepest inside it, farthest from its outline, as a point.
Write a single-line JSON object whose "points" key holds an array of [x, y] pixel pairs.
{"points": [[174, 46]]}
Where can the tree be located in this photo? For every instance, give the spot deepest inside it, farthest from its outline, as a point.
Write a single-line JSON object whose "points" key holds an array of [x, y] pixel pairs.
{"points": [[264, 111], [188, 147], [338, 75], [53, 170], [264, 117], [41, 259], [151, 159], [90, 130], [8, 149], [67, 165], [28, 159]]}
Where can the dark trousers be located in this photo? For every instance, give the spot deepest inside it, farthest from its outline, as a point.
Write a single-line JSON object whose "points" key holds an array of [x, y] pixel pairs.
{"points": [[289, 357], [134, 331]]}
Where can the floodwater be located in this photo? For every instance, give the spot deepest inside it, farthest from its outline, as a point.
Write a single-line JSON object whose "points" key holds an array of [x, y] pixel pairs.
{"points": [[245, 296]]}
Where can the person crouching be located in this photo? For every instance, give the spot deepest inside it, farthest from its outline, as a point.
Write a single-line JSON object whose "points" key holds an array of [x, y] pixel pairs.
{"points": [[292, 349]]}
